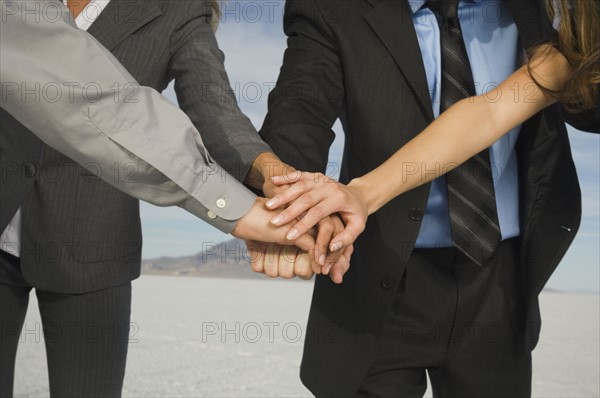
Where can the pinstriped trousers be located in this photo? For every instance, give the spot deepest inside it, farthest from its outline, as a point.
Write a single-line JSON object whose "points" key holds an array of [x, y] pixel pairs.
{"points": [[86, 335]]}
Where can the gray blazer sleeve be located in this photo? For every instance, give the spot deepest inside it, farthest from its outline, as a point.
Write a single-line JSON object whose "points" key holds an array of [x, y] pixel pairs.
{"points": [[65, 87]]}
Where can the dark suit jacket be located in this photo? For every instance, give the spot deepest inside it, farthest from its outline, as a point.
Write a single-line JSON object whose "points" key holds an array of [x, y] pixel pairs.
{"points": [[359, 60], [79, 233]]}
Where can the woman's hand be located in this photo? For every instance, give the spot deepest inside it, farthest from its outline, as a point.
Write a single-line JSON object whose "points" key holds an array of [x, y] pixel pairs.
{"points": [[255, 226], [315, 196]]}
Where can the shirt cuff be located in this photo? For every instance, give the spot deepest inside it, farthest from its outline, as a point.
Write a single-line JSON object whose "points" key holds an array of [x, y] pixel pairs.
{"points": [[220, 200]]}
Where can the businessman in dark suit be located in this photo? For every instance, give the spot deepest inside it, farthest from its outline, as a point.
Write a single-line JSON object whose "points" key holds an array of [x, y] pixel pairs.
{"points": [[445, 279]]}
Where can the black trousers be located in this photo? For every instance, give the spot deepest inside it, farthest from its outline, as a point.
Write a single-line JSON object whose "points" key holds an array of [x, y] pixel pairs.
{"points": [[86, 335], [460, 323]]}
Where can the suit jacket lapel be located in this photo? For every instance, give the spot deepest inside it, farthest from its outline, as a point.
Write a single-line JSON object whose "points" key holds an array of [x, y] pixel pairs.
{"points": [[392, 21], [121, 18]]}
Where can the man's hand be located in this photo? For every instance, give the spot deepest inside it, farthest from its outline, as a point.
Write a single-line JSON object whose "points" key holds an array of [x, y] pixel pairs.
{"points": [[314, 196], [279, 261], [288, 262]]}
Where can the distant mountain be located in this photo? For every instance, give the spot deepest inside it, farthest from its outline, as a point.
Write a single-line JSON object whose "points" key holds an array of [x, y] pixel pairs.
{"points": [[220, 260]]}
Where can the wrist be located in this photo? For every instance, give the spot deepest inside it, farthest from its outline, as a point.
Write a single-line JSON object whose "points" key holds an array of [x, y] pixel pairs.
{"points": [[268, 165], [261, 168], [243, 228], [240, 230], [366, 194]]}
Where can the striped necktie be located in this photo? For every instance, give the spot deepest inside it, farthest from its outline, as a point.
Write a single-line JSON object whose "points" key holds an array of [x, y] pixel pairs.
{"points": [[471, 197]]}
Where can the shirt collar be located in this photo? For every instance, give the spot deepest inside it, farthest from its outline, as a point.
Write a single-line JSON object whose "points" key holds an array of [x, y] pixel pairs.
{"points": [[85, 20], [416, 5]]}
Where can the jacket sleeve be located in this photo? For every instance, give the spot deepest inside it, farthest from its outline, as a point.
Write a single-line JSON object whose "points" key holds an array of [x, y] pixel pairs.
{"points": [[60, 83], [588, 121], [205, 94], [309, 94]]}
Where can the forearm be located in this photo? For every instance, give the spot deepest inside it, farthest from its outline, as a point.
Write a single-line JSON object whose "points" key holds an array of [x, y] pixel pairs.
{"points": [[467, 128], [206, 96], [302, 113], [437, 150]]}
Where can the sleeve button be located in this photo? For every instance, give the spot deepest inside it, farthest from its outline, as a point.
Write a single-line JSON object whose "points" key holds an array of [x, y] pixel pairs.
{"points": [[211, 215], [221, 203]]}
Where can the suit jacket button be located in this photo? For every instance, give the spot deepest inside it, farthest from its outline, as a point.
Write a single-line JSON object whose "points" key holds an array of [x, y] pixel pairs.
{"points": [[30, 170], [415, 214], [386, 284]]}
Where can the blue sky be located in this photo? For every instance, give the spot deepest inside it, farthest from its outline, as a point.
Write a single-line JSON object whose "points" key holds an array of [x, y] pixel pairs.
{"points": [[252, 39]]}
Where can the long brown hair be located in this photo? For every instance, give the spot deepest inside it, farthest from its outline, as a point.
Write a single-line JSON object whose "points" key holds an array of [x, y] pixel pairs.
{"points": [[578, 40]]}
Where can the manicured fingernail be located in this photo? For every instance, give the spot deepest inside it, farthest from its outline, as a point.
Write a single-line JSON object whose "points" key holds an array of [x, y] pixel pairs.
{"points": [[335, 246], [276, 178], [292, 234], [322, 260], [273, 202], [277, 220]]}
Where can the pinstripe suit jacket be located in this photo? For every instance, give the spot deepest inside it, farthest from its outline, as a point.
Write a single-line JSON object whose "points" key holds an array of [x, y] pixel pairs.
{"points": [[79, 233]]}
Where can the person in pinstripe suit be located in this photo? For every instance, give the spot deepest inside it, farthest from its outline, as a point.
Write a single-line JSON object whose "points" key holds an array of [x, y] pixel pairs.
{"points": [[80, 238]]}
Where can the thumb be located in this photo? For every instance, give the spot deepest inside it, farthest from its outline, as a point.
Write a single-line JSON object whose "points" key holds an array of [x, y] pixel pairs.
{"points": [[340, 268], [347, 236]]}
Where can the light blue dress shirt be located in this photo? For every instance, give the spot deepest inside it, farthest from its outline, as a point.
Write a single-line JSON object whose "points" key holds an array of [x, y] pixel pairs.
{"points": [[492, 43]]}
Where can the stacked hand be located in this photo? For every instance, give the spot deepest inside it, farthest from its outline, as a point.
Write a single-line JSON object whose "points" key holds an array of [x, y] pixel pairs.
{"points": [[280, 261], [314, 196], [304, 238]]}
